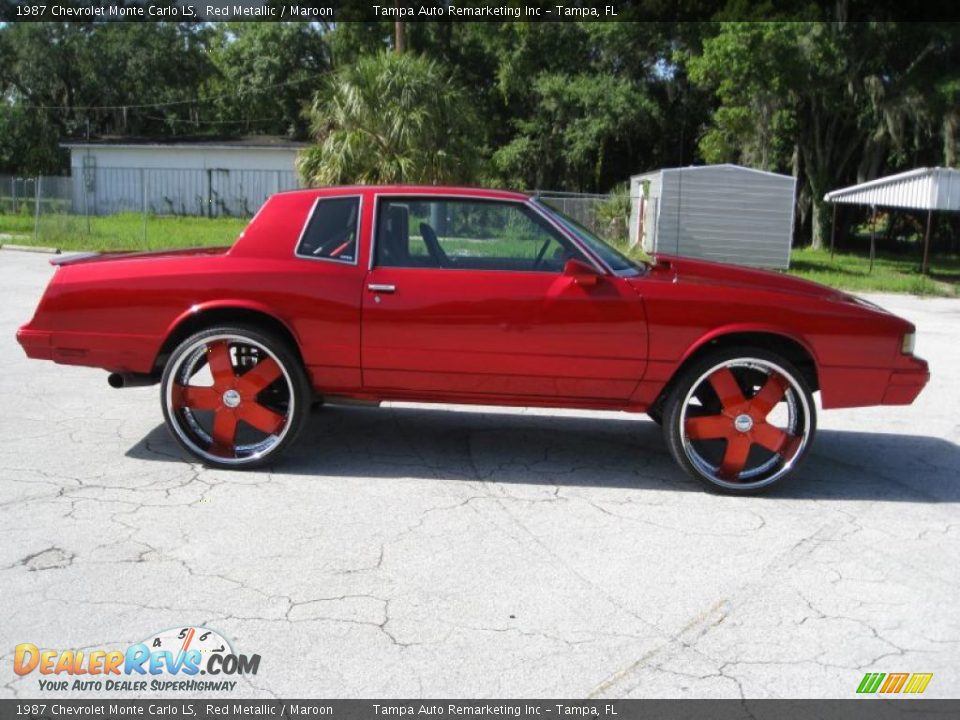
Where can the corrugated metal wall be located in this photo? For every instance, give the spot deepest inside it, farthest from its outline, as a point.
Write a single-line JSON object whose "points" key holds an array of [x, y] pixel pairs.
{"points": [[920, 189], [173, 191], [724, 213]]}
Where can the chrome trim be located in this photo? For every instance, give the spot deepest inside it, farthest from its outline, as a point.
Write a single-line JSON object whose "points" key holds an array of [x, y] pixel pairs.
{"points": [[529, 202], [313, 209], [377, 287]]}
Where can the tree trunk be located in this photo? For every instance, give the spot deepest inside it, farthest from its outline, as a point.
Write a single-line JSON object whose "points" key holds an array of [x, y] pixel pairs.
{"points": [[951, 122], [819, 225], [400, 34]]}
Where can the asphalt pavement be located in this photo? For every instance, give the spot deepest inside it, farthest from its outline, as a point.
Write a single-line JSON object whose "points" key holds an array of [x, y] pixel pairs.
{"points": [[432, 551]]}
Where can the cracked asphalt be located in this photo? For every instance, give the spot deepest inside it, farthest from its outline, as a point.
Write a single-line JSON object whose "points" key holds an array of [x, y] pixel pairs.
{"points": [[470, 552]]}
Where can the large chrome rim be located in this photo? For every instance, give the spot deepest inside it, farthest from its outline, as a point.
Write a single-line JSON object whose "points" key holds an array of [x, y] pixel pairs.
{"points": [[229, 399], [744, 423]]}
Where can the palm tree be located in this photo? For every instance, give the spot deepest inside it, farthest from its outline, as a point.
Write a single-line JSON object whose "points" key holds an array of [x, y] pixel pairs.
{"points": [[392, 117]]}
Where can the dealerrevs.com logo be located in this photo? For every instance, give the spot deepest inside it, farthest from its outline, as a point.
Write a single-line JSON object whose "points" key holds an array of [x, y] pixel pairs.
{"points": [[894, 683], [169, 660]]}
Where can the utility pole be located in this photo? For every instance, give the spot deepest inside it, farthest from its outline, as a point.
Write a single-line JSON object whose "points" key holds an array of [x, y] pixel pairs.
{"points": [[399, 32]]}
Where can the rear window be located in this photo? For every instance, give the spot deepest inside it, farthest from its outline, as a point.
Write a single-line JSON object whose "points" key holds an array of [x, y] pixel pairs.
{"points": [[331, 230]]}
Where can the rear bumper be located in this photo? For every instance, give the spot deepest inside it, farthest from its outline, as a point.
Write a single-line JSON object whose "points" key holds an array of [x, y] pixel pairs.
{"points": [[904, 386], [37, 344], [116, 353]]}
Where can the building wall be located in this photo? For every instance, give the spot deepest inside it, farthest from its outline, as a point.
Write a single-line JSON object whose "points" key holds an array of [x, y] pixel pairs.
{"points": [[179, 180]]}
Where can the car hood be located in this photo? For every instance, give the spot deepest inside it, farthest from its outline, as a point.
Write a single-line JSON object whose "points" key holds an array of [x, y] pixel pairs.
{"points": [[690, 271]]}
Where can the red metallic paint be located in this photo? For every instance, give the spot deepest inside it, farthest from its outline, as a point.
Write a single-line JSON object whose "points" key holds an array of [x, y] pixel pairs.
{"points": [[513, 338]]}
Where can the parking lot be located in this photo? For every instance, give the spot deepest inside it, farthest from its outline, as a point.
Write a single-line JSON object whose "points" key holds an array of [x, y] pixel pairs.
{"points": [[462, 552]]}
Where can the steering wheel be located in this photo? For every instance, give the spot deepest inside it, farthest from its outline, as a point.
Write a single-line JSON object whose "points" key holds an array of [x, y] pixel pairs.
{"points": [[433, 246], [543, 251]]}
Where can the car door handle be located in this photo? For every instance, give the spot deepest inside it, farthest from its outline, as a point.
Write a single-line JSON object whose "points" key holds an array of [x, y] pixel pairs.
{"points": [[375, 287]]}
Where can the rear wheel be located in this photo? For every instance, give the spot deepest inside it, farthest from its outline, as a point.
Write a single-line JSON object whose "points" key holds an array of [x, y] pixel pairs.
{"points": [[740, 420], [234, 397]]}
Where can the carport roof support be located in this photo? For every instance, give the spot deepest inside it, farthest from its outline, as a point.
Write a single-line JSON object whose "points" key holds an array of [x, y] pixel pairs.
{"points": [[921, 189]]}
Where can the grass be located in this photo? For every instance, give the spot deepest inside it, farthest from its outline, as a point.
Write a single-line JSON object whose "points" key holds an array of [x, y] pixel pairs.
{"points": [[892, 272], [126, 231], [897, 272]]}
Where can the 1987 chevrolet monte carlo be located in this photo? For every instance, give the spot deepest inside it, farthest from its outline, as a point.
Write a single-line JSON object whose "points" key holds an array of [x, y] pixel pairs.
{"points": [[443, 294]]}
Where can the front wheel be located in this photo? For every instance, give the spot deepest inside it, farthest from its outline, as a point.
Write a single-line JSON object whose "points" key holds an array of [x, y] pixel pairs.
{"points": [[234, 397], [740, 420]]}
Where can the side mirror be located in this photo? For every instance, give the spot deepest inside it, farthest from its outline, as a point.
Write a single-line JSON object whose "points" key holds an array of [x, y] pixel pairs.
{"points": [[581, 273]]}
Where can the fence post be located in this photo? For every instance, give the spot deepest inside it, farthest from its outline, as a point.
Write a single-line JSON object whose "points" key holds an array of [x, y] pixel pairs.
{"points": [[86, 202], [13, 195], [143, 187], [36, 221]]}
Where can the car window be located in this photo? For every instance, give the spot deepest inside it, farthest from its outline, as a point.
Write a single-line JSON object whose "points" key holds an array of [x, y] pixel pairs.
{"points": [[331, 230], [468, 235], [618, 262]]}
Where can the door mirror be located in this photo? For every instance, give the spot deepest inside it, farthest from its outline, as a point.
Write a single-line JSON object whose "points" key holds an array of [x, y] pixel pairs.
{"points": [[581, 273]]}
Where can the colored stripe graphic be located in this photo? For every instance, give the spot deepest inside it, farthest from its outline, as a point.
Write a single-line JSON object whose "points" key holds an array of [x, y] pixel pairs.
{"points": [[894, 683], [870, 682], [918, 683]]}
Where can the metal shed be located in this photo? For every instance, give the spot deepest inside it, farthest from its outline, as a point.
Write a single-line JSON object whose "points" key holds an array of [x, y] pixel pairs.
{"points": [[921, 189], [180, 176], [726, 213]]}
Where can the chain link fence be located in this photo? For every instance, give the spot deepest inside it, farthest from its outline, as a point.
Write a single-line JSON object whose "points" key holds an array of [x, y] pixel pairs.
{"points": [[146, 208], [134, 208]]}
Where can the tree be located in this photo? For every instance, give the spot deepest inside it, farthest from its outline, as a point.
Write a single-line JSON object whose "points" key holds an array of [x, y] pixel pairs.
{"points": [[580, 123], [266, 74], [392, 118], [60, 80], [833, 102]]}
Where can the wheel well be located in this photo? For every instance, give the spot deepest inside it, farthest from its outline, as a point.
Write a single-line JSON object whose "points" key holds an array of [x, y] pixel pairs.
{"points": [[793, 351], [223, 316]]}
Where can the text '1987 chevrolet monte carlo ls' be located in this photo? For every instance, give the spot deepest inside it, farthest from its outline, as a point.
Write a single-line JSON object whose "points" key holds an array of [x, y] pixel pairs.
{"points": [[438, 294]]}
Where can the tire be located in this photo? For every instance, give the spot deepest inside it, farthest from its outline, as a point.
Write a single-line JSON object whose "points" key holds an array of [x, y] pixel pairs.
{"points": [[740, 420], [256, 406]]}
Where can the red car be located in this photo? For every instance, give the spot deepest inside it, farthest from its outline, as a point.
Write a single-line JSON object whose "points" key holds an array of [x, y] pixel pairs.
{"points": [[441, 294]]}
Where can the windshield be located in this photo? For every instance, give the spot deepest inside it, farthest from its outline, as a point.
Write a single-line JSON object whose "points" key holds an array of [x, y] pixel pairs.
{"points": [[617, 261]]}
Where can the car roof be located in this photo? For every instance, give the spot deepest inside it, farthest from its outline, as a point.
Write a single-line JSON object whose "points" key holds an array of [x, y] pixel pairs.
{"points": [[436, 190]]}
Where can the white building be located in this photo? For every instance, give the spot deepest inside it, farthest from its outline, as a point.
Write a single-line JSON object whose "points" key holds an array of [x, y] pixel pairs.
{"points": [[180, 177], [725, 213]]}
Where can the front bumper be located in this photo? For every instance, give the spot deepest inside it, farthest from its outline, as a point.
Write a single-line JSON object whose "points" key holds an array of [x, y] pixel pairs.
{"points": [[904, 386]]}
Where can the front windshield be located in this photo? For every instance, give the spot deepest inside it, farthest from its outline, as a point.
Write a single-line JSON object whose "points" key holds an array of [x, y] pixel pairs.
{"points": [[617, 261]]}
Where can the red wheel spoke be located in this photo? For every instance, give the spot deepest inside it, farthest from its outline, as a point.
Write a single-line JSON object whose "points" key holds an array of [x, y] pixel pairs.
{"points": [[218, 358], [263, 419], [196, 398], [726, 387], [735, 457], [768, 436], [256, 379], [224, 431], [708, 427], [768, 396]]}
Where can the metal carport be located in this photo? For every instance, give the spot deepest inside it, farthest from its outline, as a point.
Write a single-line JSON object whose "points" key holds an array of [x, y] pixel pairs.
{"points": [[921, 189]]}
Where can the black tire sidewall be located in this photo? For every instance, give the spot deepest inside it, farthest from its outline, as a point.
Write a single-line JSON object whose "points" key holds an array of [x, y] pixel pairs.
{"points": [[673, 406], [301, 389]]}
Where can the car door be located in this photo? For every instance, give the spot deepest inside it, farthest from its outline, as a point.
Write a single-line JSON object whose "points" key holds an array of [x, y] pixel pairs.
{"points": [[467, 298]]}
